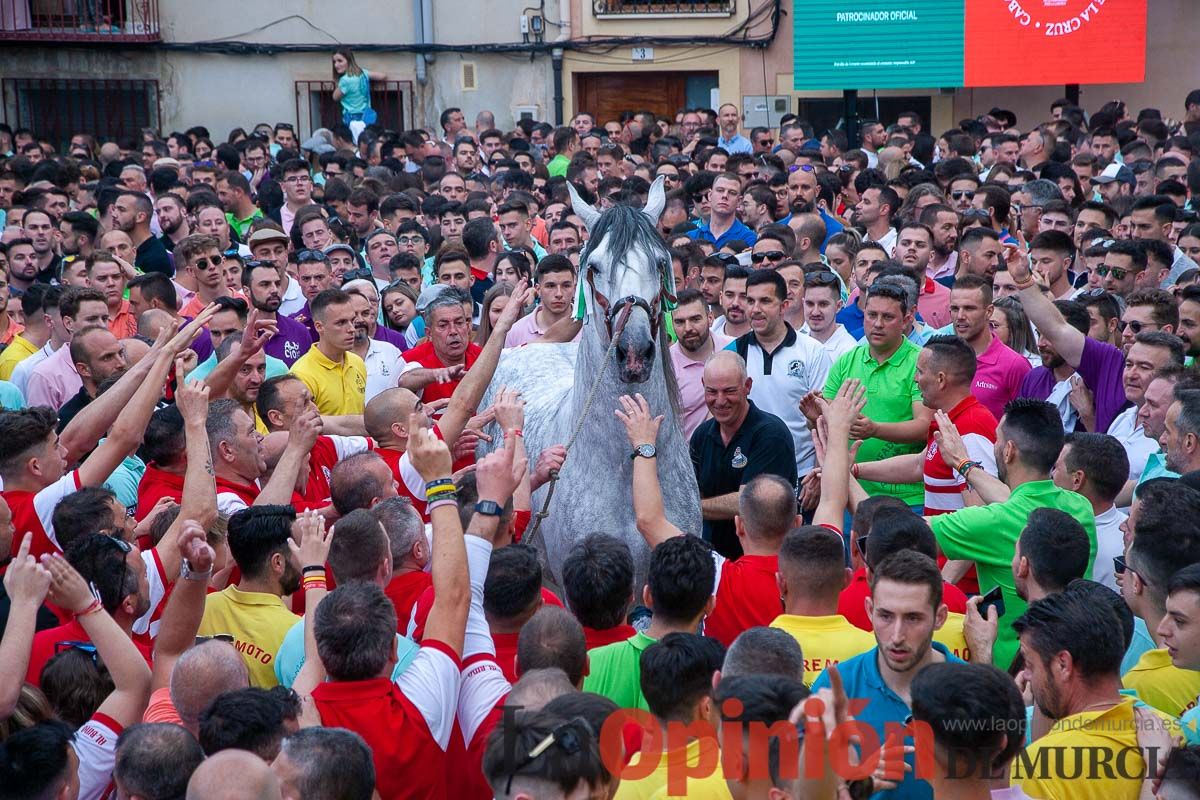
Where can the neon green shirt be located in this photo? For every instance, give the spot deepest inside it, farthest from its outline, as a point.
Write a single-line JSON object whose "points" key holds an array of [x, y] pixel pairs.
{"points": [[615, 671], [891, 392], [988, 536]]}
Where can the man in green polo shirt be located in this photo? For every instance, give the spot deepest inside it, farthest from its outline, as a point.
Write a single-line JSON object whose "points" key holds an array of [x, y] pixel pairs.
{"points": [[237, 197], [566, 144], [1028, 440], [678, 590], [894, 421]]}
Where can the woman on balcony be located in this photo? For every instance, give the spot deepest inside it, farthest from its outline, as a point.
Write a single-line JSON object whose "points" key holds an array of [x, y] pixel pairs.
{"points": [[353, 90]]}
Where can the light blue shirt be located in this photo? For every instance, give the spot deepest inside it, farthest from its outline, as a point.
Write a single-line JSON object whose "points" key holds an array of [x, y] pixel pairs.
{"points": [[738, 144], [275, 368], [10, 396], [290, 658], [862, 679], [1140, 644]]}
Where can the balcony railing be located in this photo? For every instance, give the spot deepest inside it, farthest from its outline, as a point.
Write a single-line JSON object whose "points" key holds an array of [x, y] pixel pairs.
{"points": [[688, 8], [79, 20], [316, 108]]}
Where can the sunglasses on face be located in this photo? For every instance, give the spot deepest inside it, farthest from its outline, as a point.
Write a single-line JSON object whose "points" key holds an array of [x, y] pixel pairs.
{"points": [[204, 263], [772, 255], [1134, 325], [963, 194], [802, 168], [1118, 274]]}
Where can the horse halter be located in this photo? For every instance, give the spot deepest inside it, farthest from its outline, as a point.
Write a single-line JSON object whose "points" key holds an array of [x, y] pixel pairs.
{"points": [[619, 312]]}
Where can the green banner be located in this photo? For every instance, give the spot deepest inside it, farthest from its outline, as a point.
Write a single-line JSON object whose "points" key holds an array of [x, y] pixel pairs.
{"points": [[878, 44]]}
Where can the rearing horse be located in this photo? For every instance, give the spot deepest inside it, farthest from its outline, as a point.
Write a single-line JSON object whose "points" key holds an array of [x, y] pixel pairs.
{"points": [[625, 276]]}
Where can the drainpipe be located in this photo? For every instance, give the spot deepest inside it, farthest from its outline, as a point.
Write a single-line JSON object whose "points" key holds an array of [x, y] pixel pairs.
{"points": [[423, 22], [564, 34]]}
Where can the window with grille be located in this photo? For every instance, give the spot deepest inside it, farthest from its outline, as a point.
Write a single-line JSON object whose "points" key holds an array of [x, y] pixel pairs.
{"points": [[57, 108], [316, 108]]}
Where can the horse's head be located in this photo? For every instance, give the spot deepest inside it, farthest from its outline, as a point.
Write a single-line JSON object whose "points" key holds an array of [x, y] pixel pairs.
{"points": [[626, 273]]}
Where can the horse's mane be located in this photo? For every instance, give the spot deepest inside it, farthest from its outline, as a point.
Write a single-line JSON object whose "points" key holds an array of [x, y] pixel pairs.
{"points": [[625, 228]]}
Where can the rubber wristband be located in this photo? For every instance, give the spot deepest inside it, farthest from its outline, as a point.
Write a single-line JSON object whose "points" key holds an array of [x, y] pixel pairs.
{"points": [[439, 503], [313, 568], [439, 482], [316, 585]]}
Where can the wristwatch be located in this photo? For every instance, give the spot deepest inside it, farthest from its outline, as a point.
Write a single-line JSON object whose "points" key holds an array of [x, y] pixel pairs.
{"points": [[489, 508], [188, 574], [644, 450]]}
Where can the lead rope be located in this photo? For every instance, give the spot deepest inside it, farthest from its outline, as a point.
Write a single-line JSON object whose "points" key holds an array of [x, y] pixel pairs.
{"points": [[531, 538]]}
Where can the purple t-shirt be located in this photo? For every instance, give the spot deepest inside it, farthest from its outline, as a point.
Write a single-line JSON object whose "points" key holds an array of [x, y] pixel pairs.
{"points": [[202, 347], [390, 336], [1038, 384], [1102, 366], [290, 342]]}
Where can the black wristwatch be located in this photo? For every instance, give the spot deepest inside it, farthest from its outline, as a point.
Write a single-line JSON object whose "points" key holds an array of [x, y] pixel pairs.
{"points": [[489, 508], [643, 450]]}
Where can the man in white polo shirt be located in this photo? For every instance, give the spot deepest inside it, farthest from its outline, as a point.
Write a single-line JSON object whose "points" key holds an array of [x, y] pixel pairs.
{"points": [[783, 364]]}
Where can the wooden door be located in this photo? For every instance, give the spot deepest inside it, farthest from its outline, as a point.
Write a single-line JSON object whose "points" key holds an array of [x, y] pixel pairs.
{"points": [[606, 94]]}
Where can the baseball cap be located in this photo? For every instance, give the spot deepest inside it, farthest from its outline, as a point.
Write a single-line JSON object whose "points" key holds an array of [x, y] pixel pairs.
{"points": [[1115, 172], [267, 235], [339, 246], [317, 144]]}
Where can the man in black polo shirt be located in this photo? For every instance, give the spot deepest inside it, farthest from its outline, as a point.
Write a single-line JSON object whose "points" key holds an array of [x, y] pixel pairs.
{"points": [[739, 442]]}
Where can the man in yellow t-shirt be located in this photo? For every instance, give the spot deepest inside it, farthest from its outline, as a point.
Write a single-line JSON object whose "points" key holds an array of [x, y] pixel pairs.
{"points": [[253, 611], [677, 673], [32, 337], [1072, 647], [1151, 560], [812, 574], [336, 376]]}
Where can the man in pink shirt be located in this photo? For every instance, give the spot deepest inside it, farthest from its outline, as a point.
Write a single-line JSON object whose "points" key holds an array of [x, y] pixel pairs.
{"points": [[914, 248], [555, 282], [688, 355], [999, 369], [55, 380]]}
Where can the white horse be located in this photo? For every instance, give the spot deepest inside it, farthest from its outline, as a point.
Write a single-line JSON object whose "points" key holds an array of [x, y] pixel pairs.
{"points": [[625, 272]]}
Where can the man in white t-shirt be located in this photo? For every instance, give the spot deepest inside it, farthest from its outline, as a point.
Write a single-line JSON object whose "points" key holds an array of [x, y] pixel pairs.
{"points": [[1095, 465], [822, 302]]}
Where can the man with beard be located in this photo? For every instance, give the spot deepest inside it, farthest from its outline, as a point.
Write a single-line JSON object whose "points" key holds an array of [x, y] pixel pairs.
{"points": [[873, 215], [382, 359], [291, 339], [1055, 378], [913, 249], [1189, 320], [1000, 370], [943, 221], [335, 375], [1072, 647], [172, 218], [252, 611], [39, 227], [98, 356], [1052, 254], [696, 343], [434, 369], [270, 245], [1029, 439], [734, 322], [905, 608], [722, 225], [80, 232], [130, 213], [243, 385]]}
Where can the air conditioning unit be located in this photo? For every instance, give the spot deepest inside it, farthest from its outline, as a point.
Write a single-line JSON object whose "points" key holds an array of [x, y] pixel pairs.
{"points": [[526, 112]]}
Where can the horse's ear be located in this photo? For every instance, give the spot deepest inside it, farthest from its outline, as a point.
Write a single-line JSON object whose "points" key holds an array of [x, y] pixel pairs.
{"points": [[582, 209], [656, 201]]}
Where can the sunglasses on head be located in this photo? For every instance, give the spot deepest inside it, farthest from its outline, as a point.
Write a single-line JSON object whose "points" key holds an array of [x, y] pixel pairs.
{"points": [[305, 256], [802, 168], [821, 277], [771, 255], [86, 647], [976, 213], [362, 273]]}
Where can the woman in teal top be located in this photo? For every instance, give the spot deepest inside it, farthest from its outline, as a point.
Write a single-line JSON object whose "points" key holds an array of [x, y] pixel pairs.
{"points": [[353, 88]]}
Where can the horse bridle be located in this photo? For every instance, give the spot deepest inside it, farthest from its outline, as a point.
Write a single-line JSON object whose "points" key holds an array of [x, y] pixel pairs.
{"points": [[619, 312]]}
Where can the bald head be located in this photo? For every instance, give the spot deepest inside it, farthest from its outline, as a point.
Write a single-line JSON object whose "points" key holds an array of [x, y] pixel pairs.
{"points": [[726, 364], [393, 405], [152, 322], [135, 350], [233, 775], [202, 673]]}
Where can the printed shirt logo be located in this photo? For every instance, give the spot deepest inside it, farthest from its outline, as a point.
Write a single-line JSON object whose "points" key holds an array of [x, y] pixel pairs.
{"points": [[795, 368], [739, 459]]}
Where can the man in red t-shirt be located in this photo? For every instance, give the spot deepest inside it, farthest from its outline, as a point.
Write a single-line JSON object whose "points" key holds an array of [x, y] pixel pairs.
{"points": [[409, 549], [945, 374], [34, 459], [434, 368], [747, 593]]}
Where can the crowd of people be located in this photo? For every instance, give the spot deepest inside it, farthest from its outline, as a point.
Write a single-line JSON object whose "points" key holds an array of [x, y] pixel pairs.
{"points": [[939, 394]]}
